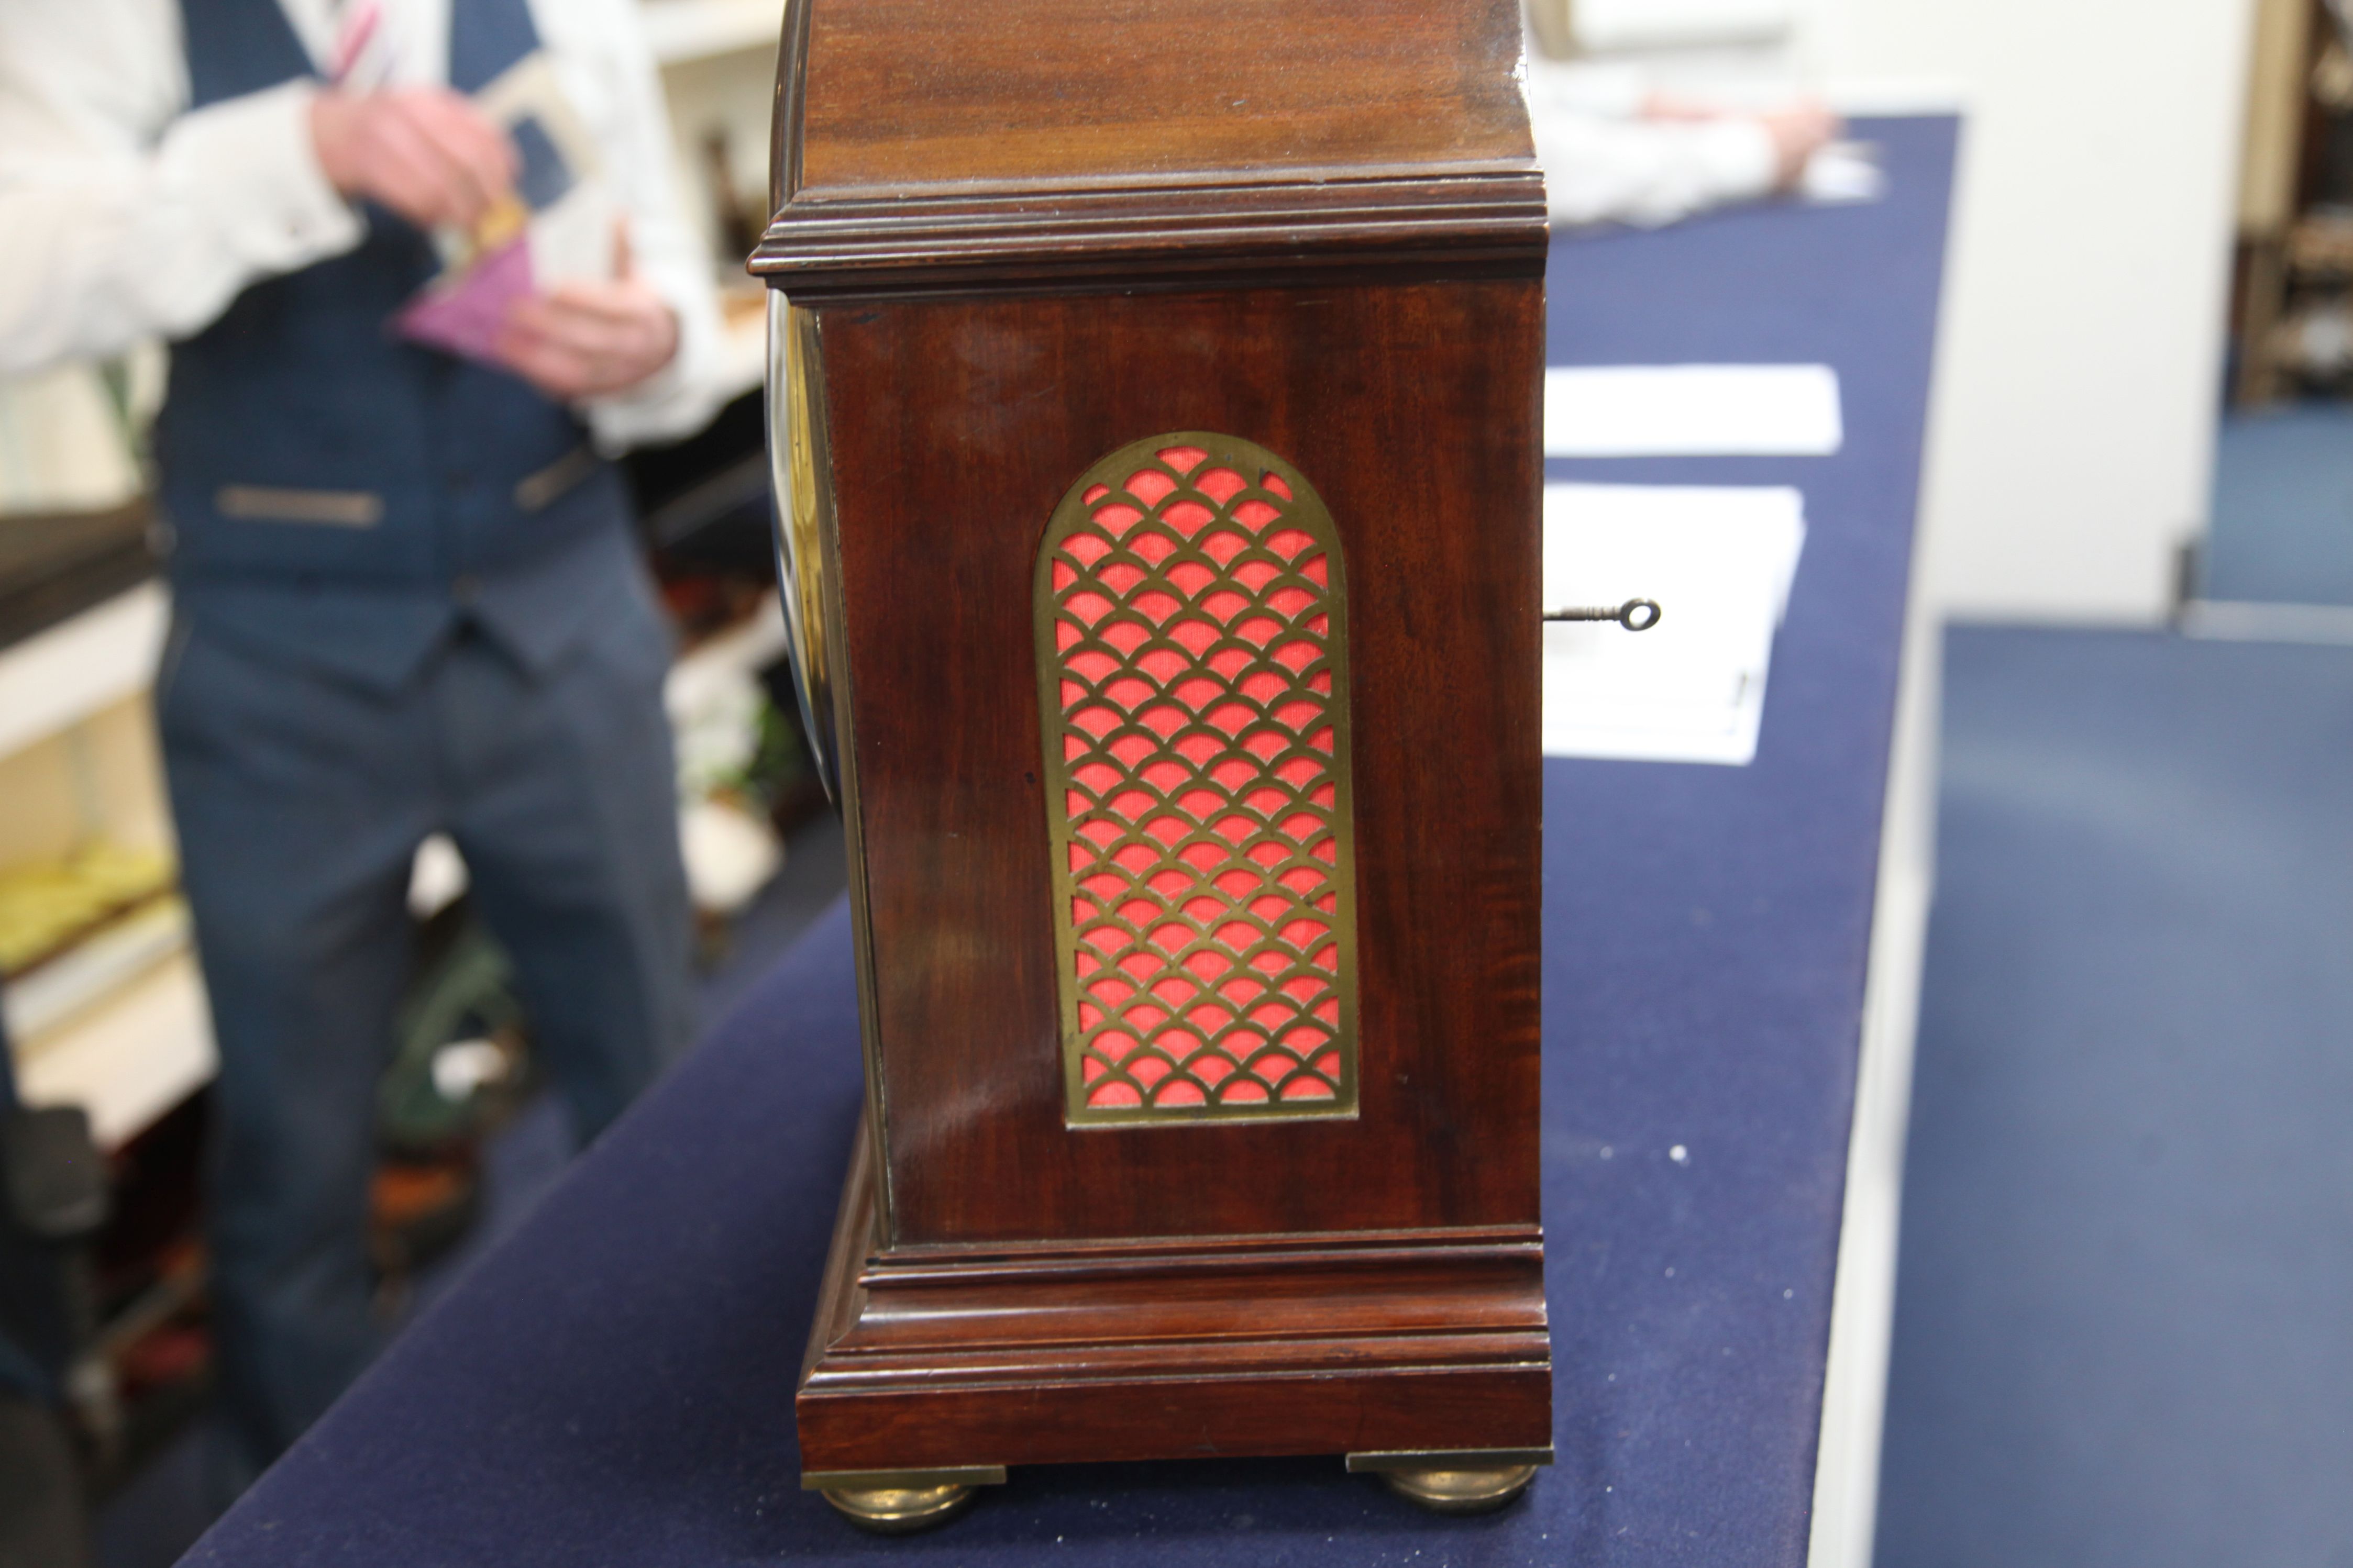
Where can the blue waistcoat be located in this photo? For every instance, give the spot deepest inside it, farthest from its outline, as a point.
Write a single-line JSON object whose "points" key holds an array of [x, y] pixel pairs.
{"points": [[336, 493]]}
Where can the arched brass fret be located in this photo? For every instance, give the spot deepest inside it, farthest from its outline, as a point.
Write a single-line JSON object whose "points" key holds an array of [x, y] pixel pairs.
{"points": [[1192, 684]]}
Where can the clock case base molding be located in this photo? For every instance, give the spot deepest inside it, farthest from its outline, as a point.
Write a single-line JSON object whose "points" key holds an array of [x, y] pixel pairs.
{"points": [[958, 1360]]}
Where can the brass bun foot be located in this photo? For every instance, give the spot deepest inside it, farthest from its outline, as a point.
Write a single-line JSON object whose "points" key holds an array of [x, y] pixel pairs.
{"points": [[899, 1511], [1479, 1490]]}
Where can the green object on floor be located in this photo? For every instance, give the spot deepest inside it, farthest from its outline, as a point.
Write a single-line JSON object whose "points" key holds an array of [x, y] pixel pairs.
{"points": [[462, 1060]]}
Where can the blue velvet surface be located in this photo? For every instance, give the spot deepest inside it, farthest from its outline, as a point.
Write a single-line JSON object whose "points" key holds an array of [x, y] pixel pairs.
{"points": [[614, 1383]]}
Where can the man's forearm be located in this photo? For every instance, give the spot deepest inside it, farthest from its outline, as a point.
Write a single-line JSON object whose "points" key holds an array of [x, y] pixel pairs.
{"points": [[108, 247]]}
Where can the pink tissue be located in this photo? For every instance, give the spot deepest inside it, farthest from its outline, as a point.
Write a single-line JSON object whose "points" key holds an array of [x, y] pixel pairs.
{"points": [[466, 316]]}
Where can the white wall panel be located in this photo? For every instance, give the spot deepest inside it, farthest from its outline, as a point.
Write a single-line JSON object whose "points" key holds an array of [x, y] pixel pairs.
{"points": [[2072, 429]]}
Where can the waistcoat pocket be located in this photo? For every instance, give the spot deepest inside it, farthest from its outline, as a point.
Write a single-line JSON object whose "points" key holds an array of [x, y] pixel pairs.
{"points": [[272, 503]]}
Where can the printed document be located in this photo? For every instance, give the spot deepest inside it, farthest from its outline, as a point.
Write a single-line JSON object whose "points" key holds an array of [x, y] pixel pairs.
{"points": [[1720, 561], [1691, 411]]}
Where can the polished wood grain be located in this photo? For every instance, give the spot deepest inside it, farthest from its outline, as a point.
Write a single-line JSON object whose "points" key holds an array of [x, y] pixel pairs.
{"points": [[1360, 230], [1153, 141], [943, 1358], [1410, 410], [903, 98], [1025, 235]]}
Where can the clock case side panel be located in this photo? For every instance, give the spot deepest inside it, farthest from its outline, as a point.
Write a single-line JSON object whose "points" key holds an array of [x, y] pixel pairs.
{"points": [[808, 576], [957, 425]]}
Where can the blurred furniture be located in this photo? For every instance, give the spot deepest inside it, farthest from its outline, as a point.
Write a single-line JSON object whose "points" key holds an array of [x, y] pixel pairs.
{"points": [[80, 774], [55, 566], [2277, 242]]}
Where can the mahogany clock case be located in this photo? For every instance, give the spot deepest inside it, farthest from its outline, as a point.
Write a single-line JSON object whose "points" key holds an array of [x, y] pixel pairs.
{"points": [[1012, 1283]]}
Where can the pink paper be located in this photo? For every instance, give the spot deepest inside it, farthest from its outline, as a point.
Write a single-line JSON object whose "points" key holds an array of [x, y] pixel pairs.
{"points": [[466, 316]]}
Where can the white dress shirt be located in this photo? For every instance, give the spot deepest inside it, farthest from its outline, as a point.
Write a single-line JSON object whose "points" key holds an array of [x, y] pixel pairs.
{"points": [[1604, 163], [125, 214]]}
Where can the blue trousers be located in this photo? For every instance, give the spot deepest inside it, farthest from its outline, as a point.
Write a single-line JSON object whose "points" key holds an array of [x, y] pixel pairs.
{"points": [[37, 1336], [300, 799]]}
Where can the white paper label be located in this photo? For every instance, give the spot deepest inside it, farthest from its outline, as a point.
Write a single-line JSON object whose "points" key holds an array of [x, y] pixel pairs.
{"points": [[1719, 560], [1692, 410]]}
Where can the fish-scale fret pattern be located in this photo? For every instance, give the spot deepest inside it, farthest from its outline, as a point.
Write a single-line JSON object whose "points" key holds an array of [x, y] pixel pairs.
{"points": [[1192, 654]]}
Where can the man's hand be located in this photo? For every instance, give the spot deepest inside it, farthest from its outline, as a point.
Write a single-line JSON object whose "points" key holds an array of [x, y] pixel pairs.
{"points": [[1798, 131], [425, 152], [590, 340]]}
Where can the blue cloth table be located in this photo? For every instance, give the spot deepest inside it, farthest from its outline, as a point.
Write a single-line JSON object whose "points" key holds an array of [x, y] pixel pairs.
{"points": [[614, 1383]]}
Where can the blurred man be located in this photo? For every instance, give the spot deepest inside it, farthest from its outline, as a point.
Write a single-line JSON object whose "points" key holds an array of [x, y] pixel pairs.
{"points": [[406, 595], [1614, 150]]}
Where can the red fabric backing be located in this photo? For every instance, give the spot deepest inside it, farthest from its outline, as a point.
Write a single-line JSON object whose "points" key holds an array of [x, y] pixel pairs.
{"points": [[1192, 622]]}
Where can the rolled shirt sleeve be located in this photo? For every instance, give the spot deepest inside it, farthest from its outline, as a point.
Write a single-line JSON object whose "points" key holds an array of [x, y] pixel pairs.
{"points": [[1649, 172], [667, 252], [254, 161], [127, 216]]}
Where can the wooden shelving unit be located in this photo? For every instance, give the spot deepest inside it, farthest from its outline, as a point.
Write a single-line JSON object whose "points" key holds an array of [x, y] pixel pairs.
{"points": [[69, 673], [2293, 261], [77, 762], [130, 1058]]}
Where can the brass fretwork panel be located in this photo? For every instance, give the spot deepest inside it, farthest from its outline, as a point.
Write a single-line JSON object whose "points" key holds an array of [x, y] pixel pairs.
{"points": [[1193, 686]]}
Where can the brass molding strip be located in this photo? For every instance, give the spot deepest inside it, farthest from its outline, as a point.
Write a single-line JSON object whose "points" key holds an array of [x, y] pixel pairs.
{"points": [[802, 476], [903, 1480], [809, 577], [1447, 1458]]}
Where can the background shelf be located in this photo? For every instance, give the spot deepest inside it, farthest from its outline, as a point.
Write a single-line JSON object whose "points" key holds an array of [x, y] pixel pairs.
{"points": [[130, 1058], [58, 677], [696, 29]]}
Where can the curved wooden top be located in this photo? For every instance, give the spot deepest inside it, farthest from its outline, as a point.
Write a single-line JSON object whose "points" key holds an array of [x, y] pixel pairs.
{"points": [[937, 96], [914, 133]]}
